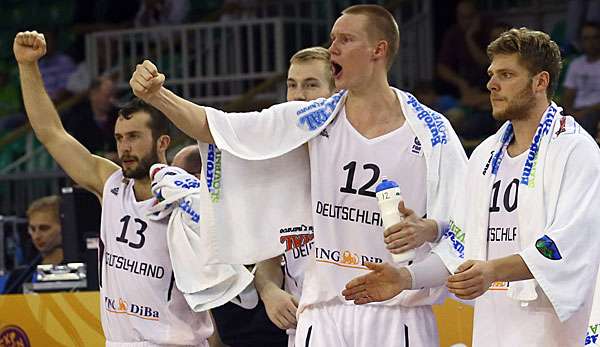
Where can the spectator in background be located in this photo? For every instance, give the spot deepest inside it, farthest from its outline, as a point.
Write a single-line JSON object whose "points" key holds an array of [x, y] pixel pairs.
{"points": [[462, 61], [92, 121], [56, 68], [579, 11], [161, 12], [43, 216], [107, 63], [582, 82], [462, 64]]}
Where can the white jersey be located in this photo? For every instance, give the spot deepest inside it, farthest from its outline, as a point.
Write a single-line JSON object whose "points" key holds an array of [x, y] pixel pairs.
{"points": [[298, 242], [491, 325], [139, 299], [345, 168]]}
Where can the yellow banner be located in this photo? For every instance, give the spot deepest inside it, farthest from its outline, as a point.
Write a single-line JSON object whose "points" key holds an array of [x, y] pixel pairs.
{"points": [[73, 319], [48, 320]]}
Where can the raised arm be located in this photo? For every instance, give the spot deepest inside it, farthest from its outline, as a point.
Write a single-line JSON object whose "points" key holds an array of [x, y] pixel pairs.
{"points": [[147, 84], [85, 169]]}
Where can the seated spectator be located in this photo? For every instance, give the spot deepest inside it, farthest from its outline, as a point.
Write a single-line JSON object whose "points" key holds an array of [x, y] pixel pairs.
{"points": [[462, 61], [56, 67], [581, 96], [92, 120], [43, 216]]}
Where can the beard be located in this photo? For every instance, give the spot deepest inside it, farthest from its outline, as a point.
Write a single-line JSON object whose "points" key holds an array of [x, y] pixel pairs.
{"points": [[143, 165], [518, 107]]}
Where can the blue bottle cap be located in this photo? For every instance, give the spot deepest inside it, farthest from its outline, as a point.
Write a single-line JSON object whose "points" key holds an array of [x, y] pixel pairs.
{"points": [[385, 184]]}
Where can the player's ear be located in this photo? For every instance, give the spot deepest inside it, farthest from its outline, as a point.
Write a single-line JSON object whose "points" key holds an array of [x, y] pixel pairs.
{"points": [[163, 142]]}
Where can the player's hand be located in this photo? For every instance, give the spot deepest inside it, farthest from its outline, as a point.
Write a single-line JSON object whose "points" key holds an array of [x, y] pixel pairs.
{"points": [[471, 279], [383, 283], [146, 81], [281, 308], [411, 233], [29, 47]]}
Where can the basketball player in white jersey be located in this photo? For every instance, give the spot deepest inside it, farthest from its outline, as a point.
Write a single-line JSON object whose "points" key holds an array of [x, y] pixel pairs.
{"points": [[309, 77], [370, 137], [140, 305]]}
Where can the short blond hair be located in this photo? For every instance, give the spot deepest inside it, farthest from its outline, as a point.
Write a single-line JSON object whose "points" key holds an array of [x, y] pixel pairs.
{"points": [[315, 53], [46, 204], [382, 26]]}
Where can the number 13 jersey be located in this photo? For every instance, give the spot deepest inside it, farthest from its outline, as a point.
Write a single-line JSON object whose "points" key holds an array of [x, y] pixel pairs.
{"points": [[138, 296]]}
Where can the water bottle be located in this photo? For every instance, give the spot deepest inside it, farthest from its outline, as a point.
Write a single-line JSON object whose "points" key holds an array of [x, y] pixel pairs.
{"points": [[388, 197]]}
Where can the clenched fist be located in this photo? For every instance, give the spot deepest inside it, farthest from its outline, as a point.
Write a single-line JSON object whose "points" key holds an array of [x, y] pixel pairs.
{"points": [[29, 47], [146, 80]]}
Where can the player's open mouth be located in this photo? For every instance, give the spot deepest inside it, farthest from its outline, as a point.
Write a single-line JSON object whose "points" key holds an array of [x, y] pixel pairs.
{"points": [[336, 69]]}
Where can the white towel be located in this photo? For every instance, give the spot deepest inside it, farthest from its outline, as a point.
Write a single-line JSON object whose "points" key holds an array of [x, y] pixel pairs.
{"points": [[558, 198], [259, 177], [183, 196]]}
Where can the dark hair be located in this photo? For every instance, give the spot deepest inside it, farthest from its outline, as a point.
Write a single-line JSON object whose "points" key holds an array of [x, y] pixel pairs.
{"points": [[537, 52], [159, 123], [382, 26]]}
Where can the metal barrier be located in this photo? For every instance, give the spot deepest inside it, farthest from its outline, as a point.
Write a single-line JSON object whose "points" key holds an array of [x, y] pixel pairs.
{"points": [[17, 190], [208, 63]]}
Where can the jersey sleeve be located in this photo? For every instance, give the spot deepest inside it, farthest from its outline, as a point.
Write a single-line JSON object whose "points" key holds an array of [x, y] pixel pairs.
{"points": [[564, 261], [273, 131]]}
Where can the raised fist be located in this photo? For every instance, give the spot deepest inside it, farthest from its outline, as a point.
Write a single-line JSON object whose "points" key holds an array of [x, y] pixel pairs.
{"points": [[29, 47], [146, 80]]}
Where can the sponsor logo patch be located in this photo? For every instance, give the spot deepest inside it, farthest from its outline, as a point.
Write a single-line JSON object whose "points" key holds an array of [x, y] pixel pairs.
{"points": [[121, 306], [213, 173], [317, 112], [548, 248], [13, 336], [344, 258]]}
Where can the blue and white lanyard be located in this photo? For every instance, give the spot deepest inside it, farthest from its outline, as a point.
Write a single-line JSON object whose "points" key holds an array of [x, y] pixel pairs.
{"points": [[542, 129]]}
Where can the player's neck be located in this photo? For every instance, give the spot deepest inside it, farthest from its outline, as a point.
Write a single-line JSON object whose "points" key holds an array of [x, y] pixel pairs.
{"points": [[525, 128], [371, 101], [142, 189], [54, 257], [374, 112]]}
